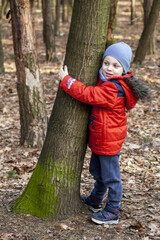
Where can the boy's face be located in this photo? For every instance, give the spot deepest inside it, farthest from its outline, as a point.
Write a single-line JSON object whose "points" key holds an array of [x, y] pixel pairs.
{"points": [[111, 67]]}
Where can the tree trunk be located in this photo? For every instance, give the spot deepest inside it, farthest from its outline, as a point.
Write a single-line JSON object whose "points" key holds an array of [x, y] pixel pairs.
{"points": [[54, 188], [31, 101], [65, 11], [133, 10], [32, 3], [49, 30], [147, 5], [112, 22], [39, 3], [44, 27], [1, 52], [57, 17], [54, 10], [147, 32]]}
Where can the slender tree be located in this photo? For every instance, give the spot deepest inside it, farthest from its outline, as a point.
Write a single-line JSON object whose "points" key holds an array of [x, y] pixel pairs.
{"points": [[57, 17], [31, 100], [48, 30], [147, 32], [147, 4], [65, 5], [112, 23], [1, 52], [133, 10], [54, 188]]}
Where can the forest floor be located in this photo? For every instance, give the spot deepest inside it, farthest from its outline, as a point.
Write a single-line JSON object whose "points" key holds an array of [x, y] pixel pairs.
{"points": [[140, 155]]}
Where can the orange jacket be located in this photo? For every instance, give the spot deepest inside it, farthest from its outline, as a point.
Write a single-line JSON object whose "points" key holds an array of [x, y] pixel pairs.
{"points": [[108, 121]]}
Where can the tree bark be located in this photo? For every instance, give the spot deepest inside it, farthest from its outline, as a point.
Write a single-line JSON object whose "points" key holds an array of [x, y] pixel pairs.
{"points": [[57, 17], [54, 10], [65, 10], [1, 52], [31, 100], [54, 188], [112, 23], [147, 32], [147, 5], [48, 30], [133, 10]]}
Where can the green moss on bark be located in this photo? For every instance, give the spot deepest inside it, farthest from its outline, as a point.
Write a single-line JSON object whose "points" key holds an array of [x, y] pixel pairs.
{"points": [[40, 197]]}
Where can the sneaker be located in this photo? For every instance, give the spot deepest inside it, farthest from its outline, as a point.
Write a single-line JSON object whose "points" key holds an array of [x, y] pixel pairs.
{"points": [[91, 203], [109, 215]]}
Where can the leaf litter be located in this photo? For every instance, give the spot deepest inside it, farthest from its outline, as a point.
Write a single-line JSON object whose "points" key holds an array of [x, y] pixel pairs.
{"points": [[140, 155]]}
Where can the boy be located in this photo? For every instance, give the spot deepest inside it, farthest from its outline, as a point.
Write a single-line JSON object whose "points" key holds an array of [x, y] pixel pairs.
{"points": [[116, 90]]}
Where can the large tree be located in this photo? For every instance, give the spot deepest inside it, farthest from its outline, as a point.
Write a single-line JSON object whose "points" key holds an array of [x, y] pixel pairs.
{"points": [[54, 188], [147, 32], [32, 108]]}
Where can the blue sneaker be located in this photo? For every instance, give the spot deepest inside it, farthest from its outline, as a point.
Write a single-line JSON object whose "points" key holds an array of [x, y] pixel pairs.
{"points": [[109, 215], [92, 203]]}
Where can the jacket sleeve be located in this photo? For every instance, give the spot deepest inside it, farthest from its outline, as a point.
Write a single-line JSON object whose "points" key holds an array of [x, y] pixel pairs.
{"points": [[104, 95]]}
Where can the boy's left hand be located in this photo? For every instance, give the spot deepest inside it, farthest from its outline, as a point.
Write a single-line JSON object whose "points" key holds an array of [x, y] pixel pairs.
{"points": [[63, 72]]}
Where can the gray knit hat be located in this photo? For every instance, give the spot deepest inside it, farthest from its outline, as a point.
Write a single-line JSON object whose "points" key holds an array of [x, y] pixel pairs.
{"points": [[122, 52]]}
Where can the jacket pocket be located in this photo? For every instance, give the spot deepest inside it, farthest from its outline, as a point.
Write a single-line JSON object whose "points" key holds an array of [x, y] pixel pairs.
{"points": [[95, 132]]}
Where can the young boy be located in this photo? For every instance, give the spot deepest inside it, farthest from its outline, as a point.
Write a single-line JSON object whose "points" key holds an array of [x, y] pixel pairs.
{"points": [[116, 90]]}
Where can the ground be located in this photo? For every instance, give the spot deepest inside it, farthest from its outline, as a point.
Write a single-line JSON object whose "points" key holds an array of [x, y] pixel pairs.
{"points": [[140, 162]]}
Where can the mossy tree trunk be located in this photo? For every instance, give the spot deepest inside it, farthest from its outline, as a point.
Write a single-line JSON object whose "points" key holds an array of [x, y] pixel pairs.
{"points": [[32, 107], [54, 188], [147, 32]]}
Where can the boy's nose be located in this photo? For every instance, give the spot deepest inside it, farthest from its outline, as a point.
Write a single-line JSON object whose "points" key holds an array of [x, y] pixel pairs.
{"points": [[109, 67]]}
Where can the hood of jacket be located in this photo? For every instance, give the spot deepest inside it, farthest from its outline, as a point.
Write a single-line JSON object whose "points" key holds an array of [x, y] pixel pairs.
{"points": [[134, 89]]}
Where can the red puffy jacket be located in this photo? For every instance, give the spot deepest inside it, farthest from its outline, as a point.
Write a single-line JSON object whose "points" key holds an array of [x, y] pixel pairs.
{"points": [[108, 121]]}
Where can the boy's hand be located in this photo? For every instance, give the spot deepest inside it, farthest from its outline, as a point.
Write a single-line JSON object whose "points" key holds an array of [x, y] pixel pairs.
{"points": [[63, 72]]}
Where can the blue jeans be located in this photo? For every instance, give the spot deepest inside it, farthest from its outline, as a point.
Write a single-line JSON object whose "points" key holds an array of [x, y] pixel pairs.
{"points": [[106, 171]]}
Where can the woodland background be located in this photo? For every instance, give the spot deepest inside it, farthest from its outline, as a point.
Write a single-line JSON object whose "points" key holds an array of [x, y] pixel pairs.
{"points": [[140, 168]]}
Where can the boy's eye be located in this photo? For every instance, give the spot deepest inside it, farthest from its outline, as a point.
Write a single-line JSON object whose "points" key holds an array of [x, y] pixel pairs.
{"points": [[106, 63], [116, 65]]}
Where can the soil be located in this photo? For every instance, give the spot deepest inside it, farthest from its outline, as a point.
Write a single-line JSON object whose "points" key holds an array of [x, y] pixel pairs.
{"points": [[140, 162]]}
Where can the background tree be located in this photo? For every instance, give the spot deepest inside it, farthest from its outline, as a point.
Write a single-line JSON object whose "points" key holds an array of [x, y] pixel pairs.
{"points": [[133, 10], [31, 100], [147, 32], [54, 10], [147, 4], [112, 23], [1, 52], [57, 17], [65, 9], [48, 30], [54, 188]]}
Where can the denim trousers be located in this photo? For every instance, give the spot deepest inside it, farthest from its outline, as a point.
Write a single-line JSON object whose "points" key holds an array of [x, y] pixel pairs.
{"points": [[106, 171]]}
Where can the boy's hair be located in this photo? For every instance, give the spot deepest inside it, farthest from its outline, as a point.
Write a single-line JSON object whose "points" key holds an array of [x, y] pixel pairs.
{"points": [[122, 52]]}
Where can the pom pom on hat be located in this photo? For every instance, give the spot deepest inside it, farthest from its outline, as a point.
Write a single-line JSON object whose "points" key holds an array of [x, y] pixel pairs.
{"points": [[122, 52]]}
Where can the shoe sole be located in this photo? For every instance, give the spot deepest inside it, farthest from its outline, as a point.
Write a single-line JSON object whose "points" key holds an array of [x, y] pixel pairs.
{"points": [[104, 222], [93, 209]]}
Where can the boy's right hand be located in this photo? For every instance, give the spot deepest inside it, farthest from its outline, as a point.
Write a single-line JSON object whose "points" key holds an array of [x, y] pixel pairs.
{"points": [[63, 72]]}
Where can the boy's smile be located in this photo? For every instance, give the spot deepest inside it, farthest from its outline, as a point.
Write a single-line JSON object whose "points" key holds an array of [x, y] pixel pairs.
{"points": [[111, 67]]}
